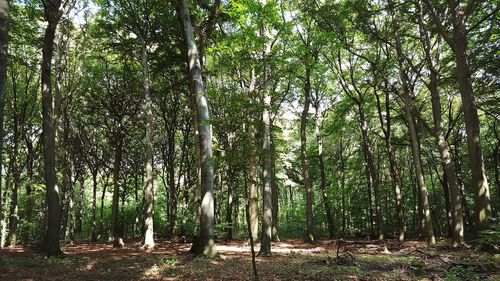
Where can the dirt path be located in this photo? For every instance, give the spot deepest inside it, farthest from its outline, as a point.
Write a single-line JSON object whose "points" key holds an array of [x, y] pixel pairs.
{"points": [[292, 260]]}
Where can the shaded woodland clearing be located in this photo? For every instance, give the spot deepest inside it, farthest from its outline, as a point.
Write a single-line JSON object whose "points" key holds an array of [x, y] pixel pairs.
{"points": [[291, 260]]}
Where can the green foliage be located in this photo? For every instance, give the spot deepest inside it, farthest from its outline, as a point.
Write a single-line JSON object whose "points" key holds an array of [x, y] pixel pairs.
{"points": [[458, 273], [490, 236]]}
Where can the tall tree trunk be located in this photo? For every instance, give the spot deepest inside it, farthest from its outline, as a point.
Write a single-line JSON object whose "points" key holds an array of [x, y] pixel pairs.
{"points": [[115, 225], [148, 187], [16, 173], [326, 202], [231, 180], [81, 205], [425, 213], [252, 182], [456, 227], [267, 216], [458, 44], [393, 165], [206, 239], [274, 188], [496, 166], [51, 243], [479, 181], [4, 40], [93, 236], [372, 171], [303, 155], [29, 189]]}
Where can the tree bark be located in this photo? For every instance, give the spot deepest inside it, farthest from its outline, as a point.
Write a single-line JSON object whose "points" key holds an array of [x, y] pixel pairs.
{"points": [[425, 213], [115, 231], [207, 219], [16, 173], [93, 236], [372, 176], [274, 188], [326, 202], [51, 243], [393, 165], [458, 44], [267, 216], [303, 155], [29, 189], [4, 42], [148, 187]]}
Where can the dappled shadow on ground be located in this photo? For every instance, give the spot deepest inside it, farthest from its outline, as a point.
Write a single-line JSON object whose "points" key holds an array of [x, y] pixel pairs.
{"points": [[291, 260]]}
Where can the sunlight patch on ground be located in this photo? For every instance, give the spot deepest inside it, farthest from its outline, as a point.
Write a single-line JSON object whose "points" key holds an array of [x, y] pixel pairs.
{"points": [[282, 248], [152, 271]]}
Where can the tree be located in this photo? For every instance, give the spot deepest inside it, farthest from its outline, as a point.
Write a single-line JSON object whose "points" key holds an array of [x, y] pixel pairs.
{"points": [[53, 13], [457, 40], [206, 239], [425, 214], [4, 42]]}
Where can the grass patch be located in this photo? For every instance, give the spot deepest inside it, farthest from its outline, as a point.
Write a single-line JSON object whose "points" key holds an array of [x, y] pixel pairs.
{"points": [[18, 262]]}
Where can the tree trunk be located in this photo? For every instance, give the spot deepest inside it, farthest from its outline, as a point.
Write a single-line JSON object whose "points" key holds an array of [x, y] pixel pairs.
{"points": [[393, 165], [267, 216], [51, 243], [479, 181], [206, 240], [93, 236], [426, 220], [326, 202], [372, 176], [4, 40], [456, 228], [16, 173], [274, 188], [115, 225], [252, 183], [81, 206], [148, 187], [303, 156], [458, 44], [29, 189]]}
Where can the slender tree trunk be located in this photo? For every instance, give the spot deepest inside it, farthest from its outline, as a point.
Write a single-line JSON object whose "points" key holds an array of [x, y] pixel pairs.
{"points": [[93, 236], [229, 209], [51, 243], [252, 183], [458, 44], [372, 172], [4, 40], [265, 248], [446, 192], [456, 227], [206, 239], [115, 225], [303, 156], [16, 173], [29, 189], [148, 187], [326, 202], [249, 228], [274, 188], [101, 213], [81, 205], [496, 166], [396, 179], [426, 219], [230, 189]]}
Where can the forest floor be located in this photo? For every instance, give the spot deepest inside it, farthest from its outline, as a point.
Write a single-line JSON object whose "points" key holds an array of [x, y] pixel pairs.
{"points": [[291, 260]]}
